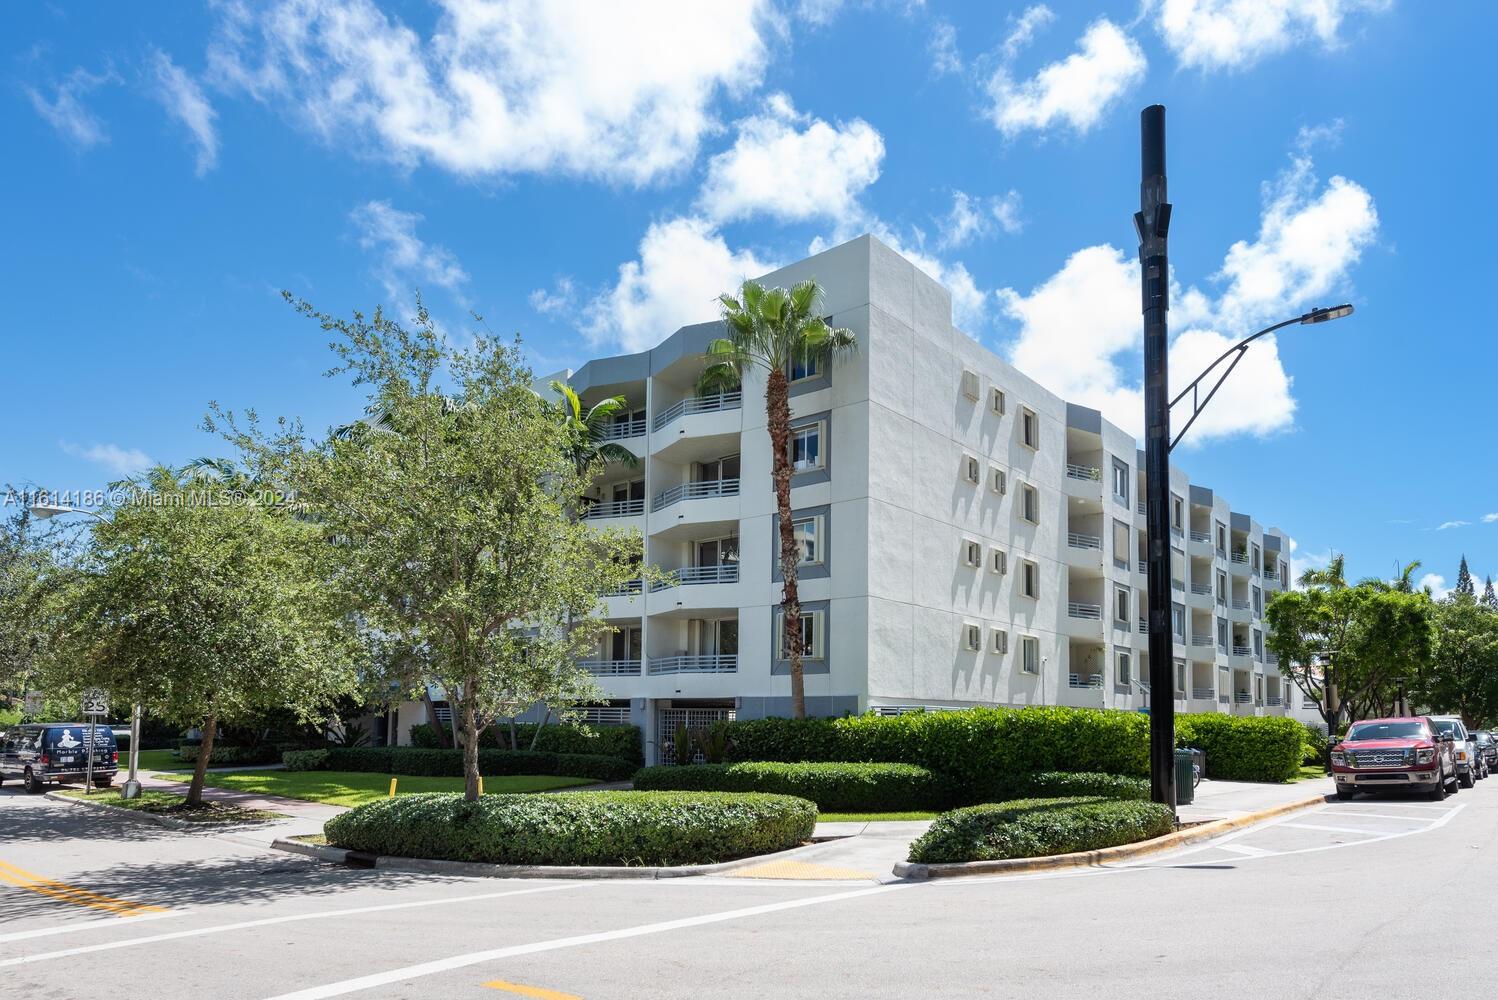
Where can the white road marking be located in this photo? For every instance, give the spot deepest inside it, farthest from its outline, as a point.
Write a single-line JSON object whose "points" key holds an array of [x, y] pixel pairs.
{"points": [[1403, 819], [1363, 832], [495, 954], [87, 925], [1244, 849], [268, 921]]}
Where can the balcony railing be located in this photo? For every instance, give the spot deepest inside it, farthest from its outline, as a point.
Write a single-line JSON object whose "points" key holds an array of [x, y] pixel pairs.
{"points": [[1077, 540], [612, 668], [1243, 698], [606, 715], [1086, 472], [699, 404], [1273, 701], [626, 589], [1080, 609], [1240, 605], [693, 664], [614, 508], [690, 575], [1201, 536], [695, 491], [1240, 558], [1084, 680], [1201, 640], [1270, 657], [1202, 589], [1241, 650], [1144, 626], [1203, 694], [624, 429]]}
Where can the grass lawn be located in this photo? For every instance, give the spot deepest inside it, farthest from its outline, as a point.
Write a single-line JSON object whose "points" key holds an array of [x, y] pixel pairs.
{"points": [[352, 788], [154, 760], [160, 803], [829, 817], [1310, 772]]}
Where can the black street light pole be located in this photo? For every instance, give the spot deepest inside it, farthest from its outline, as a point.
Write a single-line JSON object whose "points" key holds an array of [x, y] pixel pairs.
{"points": [[1153, 226]]}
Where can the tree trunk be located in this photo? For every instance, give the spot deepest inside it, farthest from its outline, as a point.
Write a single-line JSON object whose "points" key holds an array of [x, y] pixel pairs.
{"points": [[470, 745], [205, 750], [536, 736], [426, 699], [514, 735], [778, 417]]}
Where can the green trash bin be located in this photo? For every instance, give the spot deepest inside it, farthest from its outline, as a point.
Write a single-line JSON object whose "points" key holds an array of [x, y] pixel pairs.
{"points": [[1185, 777]]}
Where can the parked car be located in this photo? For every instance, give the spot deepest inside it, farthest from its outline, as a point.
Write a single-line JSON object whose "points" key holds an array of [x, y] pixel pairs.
{"points": [[39, 755], [1469, 768], [1487, 749], [1406, 754]]}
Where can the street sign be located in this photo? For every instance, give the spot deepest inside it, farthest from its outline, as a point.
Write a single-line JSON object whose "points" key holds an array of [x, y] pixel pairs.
{"points": [[34, 701], [95, 702]]}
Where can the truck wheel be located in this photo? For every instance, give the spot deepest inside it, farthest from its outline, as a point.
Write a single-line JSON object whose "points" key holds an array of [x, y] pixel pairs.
{"points": [[33, 783], [1466, 780], [1438, 793], [1345, 793]]}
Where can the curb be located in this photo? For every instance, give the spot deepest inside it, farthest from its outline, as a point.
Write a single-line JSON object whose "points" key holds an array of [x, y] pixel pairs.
{"points": [[1087, 859], [343, 856], [170, 822]]}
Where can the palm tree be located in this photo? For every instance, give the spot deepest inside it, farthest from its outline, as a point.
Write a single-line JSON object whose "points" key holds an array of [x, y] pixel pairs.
{"points": [[590, 426], [770, 329]]}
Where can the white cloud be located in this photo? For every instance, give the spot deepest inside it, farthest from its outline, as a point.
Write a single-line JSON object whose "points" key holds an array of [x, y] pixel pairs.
{"points": [[942, 48], [683, 266], [974, 217], [66, 112], [405, 262], [1437, 584], [1025, 26], [121, 461], [1326, 134], [1076, 91], [1302, 561], [1444, 525], [1235, 34], [184, 100], [561, 301], [819, 12], [1490, 518], [590, 89], [791, 167]]}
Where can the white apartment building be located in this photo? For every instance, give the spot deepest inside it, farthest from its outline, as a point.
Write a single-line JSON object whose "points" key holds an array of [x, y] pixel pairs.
{"points": [[969, 537]]}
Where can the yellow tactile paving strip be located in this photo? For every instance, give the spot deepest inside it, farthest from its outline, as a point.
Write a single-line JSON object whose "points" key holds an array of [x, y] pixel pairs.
{"points": [[799, 870]]}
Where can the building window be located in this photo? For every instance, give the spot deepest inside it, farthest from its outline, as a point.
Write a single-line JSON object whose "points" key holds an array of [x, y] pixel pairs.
{"points": [[1121, 604], [806, 448], [970, 470], [1222, 539], [1284, 573], [1181, 675], [1120, 481], [812, 627], [998, 561], [1123, 666], [1029, 584], [1222, 587], [1030, 660], [972, 553], [1029, 428], [1178, 621], [999, 642], [804, 367], [1177, 514], [1254, 562], [809, 533], [1258, 603], [1120, 543], [996, 401], [970, 384], [998, 481], [972, 637], [1222, 634], [1029, 507], [1258, 645]]}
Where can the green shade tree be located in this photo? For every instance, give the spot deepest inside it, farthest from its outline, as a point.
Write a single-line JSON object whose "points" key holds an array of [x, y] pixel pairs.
{"points": [[1464, 579], [1463, 674], [768, 331], [1489, 598]]}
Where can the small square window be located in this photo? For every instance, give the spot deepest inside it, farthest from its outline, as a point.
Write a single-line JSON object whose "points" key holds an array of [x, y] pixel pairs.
{"points": [[998, 561], [1000, 641], [970, 469], [809, 536], [1029, 428], [804, 367], [807, 453], [973, 637], [996, 400], [972, 553], [998, 481], [1030, 649], [812, 628], [1029, 585], [970, 384]]}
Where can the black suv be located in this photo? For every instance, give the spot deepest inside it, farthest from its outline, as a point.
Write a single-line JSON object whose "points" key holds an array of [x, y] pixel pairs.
{"points": [[37, 755], [1487, 748]]}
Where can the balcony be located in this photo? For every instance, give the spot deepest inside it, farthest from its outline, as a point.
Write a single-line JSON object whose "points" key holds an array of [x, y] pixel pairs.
{"points": [[1274, 701], [1081, 609], [693, 665], [1239, 559], [1203, 537], [1240, 605], [1077, 540], [698, 404], [1087, 473], [614, 508], [1241, 650], [1270, 657], [1202, 589], [691, 575], [694, 491], [611, 668], [624, 430], [1201, 641], [627, 589], [1243, 698], [1203, 694], [1084, 681]]}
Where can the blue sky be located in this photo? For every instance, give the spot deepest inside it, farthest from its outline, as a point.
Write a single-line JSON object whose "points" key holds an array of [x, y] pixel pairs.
{"points": [[591, 177]]}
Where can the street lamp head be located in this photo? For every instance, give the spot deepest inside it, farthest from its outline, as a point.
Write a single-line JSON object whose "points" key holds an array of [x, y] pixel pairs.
{"points": [[1329, 313], [42, 511]]}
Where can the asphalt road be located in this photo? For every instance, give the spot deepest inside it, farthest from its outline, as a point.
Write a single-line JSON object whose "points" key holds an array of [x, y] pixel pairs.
{"points": [[1380, 898]]}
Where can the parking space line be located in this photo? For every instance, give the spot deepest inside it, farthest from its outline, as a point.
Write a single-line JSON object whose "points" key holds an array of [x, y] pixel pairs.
{"points": [[1403, 819], [269, 921], [40, 884], [1340, 829], [530, 991], [85, 925], [1245, 849]]}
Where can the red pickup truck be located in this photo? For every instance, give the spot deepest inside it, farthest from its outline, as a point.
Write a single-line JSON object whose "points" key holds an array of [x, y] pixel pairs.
{"points": [[1408, 754]]}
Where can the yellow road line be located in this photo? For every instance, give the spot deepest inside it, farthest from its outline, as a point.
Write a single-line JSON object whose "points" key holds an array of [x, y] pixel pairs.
{"points": [[530, 991], [30, 881]]}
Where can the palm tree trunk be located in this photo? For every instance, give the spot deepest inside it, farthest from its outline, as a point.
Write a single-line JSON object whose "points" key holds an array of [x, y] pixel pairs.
{"points": [[778, 417]]}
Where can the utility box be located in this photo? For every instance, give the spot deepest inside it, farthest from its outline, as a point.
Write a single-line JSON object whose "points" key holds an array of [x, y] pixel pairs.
{"points": [[1185, 777]]}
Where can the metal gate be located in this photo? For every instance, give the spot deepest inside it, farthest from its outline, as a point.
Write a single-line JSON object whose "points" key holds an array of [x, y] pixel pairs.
{"points": [[693, 718]]}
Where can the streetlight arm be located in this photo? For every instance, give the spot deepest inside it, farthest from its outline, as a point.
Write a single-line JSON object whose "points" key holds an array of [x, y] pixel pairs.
{"points": [[1236, 352]]}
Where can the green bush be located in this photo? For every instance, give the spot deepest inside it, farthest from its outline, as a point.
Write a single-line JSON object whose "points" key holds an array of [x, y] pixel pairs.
{"points": [[577, 828], [1313, 743], [231, 756], [1244, 748], [1074, 784], [1032, 828], [449, 763], [305, 760], [834, 787], [608, 741]]}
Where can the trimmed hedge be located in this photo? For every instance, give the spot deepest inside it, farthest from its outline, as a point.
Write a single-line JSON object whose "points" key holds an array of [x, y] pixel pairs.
{"points": [[834, 787], [609, 741], [449, 763], [577, 828], [1244, 748], [230, 756], [1032, 828], [981, 749], [1079, 784]]}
